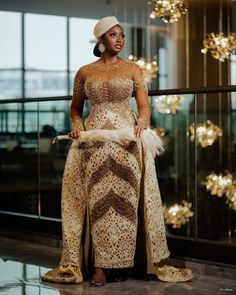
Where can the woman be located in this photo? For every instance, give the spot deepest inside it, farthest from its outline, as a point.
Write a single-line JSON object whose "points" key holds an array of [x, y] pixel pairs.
{"points": [[106, 179]]}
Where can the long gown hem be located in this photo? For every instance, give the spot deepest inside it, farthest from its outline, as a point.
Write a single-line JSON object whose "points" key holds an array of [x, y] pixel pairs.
{"points": [[116, 264]]}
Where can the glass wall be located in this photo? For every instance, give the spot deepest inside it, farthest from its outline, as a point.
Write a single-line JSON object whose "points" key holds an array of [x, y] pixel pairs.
{"points": [[196, 173]]}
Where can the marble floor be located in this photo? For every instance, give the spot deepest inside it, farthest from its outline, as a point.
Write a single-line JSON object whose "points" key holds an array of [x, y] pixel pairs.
{"points": [[22, 264]]}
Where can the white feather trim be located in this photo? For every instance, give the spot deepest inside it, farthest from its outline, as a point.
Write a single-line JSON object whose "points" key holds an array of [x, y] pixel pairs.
{"points": [[148, 137]]}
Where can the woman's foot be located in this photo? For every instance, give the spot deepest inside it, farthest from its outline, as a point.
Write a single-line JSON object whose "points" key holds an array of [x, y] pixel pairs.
{"points": [[99, 278]]}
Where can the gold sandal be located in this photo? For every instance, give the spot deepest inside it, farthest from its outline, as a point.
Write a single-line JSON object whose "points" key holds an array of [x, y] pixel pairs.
{"points": [[64, 275], [169, 273], [96, 283]]}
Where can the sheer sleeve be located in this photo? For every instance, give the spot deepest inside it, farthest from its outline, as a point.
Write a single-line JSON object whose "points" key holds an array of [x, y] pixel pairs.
{"points": [[78, 89], [141, 96], [139, 83], [77, 103]]}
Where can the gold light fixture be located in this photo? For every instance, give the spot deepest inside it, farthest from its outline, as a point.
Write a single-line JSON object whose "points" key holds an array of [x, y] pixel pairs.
{"points": [[149, 68], [206, 133], [219, 45], [219, 184], [231, 196], [159, 131], [178, 214], [168, 10], [168, 104]]}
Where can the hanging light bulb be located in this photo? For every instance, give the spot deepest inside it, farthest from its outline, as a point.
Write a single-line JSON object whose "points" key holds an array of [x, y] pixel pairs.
{"points": [[168, 104], [206, 133], [231, 196], [219, 45], [149, 68], [177, 214], [218, 184], [168, 10]]}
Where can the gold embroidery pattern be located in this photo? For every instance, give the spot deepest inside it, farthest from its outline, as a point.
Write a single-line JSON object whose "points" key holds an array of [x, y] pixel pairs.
{"points": [[140, 84], [79, 87], [99, 90], [124, 172], [87, 146], [108, 125], [120, 204], [109, 68], [134, 149], [90, 144], [122, 115]]}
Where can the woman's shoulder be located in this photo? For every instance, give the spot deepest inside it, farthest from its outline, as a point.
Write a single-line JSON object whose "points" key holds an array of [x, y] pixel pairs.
{"points": [[84, 68], [135, 66], [83, 71]]}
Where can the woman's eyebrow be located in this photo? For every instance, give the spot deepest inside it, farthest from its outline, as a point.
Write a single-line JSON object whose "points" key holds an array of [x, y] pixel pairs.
{"points": [[112, 31]]}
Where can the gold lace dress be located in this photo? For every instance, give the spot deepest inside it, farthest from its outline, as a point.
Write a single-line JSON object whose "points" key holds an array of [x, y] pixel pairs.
{"points": [[107, 179]]}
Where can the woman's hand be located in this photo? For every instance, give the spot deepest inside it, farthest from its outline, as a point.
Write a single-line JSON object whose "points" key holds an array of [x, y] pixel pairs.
{"points": [[75, 133], [138, 129], [142, 125]]}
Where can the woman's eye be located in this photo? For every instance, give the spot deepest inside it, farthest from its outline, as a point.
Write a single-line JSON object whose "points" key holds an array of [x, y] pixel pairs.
{"points": [[114, 35]]}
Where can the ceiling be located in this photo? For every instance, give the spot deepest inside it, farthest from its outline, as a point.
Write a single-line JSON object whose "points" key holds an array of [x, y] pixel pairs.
{"points": [[125, 10], [133, 11]]}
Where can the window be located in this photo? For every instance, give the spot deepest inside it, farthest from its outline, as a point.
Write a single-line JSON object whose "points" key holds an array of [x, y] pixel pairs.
{"points": [[10, 36], [10, 55], [45, 55], [45, 42], [82, 42]]}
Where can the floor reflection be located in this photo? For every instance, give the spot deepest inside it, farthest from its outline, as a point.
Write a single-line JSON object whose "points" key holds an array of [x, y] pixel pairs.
{"points": [[24, 279]]}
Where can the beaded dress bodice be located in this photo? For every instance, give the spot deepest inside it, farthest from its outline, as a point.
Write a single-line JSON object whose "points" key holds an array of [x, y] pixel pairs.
{"points": [[109, 89]]}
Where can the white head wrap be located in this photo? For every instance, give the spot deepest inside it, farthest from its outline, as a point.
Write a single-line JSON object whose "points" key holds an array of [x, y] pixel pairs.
{"points": [[103, 25]]}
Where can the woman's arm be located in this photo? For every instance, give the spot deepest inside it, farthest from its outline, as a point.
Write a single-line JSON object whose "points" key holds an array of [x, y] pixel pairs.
{"points": [[141, 96], [77, 104]]}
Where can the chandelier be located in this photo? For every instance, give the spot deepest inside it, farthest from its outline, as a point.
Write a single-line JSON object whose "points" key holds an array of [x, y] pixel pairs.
{"points": [[168, 10], [159, 131], [219, 45], [178, 214], [219, 184], [206, 133], [149, 68], [231, 196], [168, 104]]}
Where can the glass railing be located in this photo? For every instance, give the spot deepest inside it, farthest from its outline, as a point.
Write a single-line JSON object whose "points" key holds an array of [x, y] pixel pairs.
{"points": [[199, 131]]}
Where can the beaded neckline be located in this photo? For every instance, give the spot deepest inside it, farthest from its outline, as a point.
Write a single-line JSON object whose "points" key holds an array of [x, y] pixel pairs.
{"points": [[109, 67]]}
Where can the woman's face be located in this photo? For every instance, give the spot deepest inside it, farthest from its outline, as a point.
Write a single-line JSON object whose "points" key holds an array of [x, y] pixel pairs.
{"points": [[114, 40]]}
